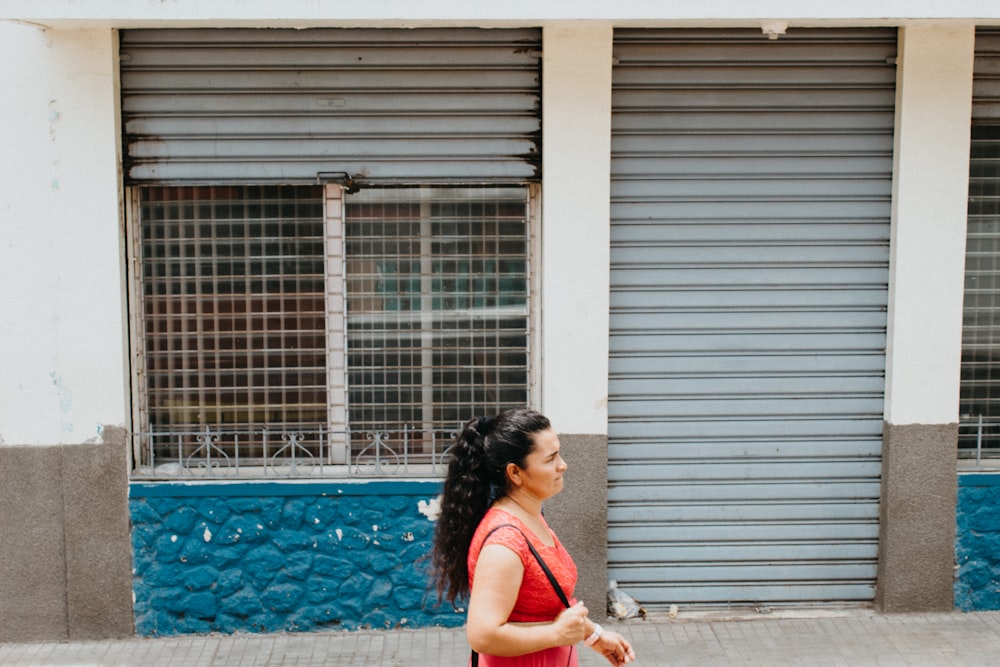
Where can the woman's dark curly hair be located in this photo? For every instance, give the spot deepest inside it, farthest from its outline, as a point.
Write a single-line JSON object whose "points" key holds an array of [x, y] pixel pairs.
{"points": [[476, 477]]}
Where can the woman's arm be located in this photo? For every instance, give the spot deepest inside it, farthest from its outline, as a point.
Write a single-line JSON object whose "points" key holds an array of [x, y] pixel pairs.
{"points": [[498, 577]]}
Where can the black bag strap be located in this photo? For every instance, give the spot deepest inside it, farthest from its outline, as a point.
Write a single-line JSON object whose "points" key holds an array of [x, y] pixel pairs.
{"points": [[541, 562], [534, 552]]}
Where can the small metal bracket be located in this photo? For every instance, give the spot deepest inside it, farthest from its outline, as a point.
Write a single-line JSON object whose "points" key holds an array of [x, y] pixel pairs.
{"points": [[350, 185]]}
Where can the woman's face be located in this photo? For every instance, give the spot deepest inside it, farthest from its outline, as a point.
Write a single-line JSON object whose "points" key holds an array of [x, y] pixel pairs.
{"points": [[542, 474]]}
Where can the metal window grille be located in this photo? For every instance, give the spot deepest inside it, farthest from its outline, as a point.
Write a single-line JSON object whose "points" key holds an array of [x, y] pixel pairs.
{"points": [[979, 408], [437, 305], [979, 427], [233, 304], [239, 341]]}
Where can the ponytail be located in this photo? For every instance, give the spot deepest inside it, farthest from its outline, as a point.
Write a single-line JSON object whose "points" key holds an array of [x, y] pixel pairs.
{"points": [[476, 477]]}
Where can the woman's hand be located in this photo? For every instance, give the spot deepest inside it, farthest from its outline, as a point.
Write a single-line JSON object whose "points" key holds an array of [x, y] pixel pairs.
{"points": [[570, 625], [614, 647]]}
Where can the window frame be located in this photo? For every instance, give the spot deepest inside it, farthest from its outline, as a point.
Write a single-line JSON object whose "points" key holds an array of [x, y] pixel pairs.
{"points": [[337, 457]]}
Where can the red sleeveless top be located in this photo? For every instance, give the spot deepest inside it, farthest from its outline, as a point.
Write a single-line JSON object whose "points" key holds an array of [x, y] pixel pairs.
{"points": [[536, 600]]}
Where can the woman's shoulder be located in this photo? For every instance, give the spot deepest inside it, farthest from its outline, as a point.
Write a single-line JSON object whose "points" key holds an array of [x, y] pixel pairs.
{"points": [[499, 520], [500, 527]]}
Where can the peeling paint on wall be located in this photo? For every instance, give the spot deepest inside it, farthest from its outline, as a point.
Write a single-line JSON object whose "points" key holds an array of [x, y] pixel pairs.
{"points": [[430, 509], [53, 119], [63, 393], [97, 439]]}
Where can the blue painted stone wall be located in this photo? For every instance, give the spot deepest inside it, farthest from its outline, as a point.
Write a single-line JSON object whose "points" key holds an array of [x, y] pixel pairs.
{"points": [[977, 543], [283, 557]]}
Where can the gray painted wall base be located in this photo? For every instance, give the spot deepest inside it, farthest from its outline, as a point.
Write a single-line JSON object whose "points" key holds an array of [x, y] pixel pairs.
{"points": [[917, 518], [66, 566], [579, 516]]}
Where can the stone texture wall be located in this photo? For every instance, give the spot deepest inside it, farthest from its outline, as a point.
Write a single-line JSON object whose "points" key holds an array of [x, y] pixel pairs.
{"points": [[977, 546], [64, 541], [579, 516], [273, 557], [917, 518]]}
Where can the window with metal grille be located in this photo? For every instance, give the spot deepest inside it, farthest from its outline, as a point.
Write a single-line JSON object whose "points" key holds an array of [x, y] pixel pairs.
{"points": [[233, 302], [437, 305], [265, 349], [979, 430]]}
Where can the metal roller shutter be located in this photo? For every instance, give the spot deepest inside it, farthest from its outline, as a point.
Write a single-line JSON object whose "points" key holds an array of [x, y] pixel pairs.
{"points": [[751, 184], [384, 106]]}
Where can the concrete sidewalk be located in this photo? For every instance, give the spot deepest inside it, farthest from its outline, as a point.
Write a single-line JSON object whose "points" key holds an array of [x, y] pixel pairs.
{"points": [[848, 638]]}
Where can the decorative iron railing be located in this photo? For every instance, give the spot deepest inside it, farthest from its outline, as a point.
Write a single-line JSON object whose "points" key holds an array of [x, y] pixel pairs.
{"points": [[978, 438], [253, 453]]}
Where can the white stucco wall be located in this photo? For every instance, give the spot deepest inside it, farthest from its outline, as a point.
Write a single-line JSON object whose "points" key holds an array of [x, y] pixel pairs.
{"points": [[576, 233], [61, 354], [927, 264], [306, 13]]}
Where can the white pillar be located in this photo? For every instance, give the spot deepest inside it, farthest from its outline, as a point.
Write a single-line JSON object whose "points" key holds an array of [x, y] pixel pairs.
{"points": [[933, 110], [923, 355], [575, 266], [61, 333]]}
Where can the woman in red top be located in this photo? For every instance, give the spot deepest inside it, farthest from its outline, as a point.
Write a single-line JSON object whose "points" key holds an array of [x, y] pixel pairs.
{"points": [[501, 471]]}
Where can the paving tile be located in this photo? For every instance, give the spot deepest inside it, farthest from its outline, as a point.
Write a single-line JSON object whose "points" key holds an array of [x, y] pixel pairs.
{"points": [[849, 640]]}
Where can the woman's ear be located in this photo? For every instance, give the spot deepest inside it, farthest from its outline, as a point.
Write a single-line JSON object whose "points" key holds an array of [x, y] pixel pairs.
{"points": [[514, 474]]}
